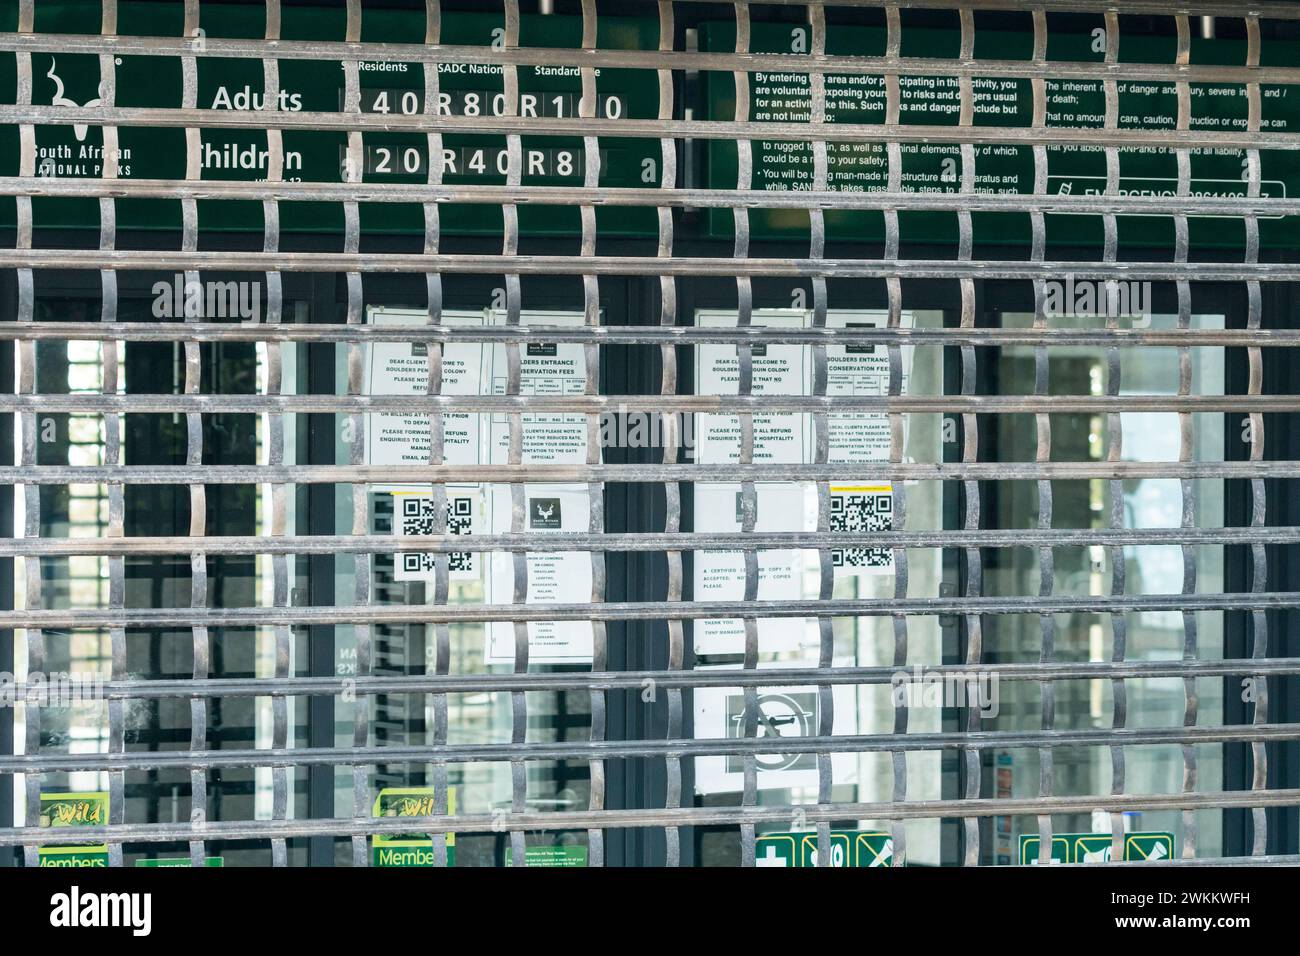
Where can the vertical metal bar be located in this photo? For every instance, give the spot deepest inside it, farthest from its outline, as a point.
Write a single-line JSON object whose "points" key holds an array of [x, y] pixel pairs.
{"points": [[276, 422], [274, 166], [33, 594], [1043, 452], [668, 386], [894, 151], [1259, 501], [894, 293], [194, 447], [194, 442], [354, 169], [110, 385], [8, 586], [821, 424], [1186, 440], [510, 247], [441, 561], [595, 489], [1115, 432], [970, 433], [745, 361]]}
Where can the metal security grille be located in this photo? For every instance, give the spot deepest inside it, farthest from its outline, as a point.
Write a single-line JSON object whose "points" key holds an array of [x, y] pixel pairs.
{"points": [[974, 539]]}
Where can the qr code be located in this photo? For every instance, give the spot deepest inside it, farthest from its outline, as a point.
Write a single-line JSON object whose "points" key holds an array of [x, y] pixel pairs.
{"points": [[855, 512], [419, 518]]}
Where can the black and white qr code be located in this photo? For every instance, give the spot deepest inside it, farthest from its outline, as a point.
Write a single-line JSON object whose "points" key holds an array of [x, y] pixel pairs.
{"points": [[855, 512], [418, 518]]}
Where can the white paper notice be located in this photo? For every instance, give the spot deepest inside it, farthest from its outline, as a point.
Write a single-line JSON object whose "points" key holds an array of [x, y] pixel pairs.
{"points": [[546, 368], [862, 370], [402, 368], [474, 368], [864, 506], [784, 713], [720, 575], [560, 577], [777, 370]]}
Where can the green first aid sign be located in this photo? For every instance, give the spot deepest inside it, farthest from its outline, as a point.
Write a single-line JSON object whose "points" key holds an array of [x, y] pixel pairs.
{"points": [[1096, 847], [79, 809], [849, 848], [409, 849]]}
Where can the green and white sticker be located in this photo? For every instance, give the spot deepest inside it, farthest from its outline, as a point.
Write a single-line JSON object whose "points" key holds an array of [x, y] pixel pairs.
{"points": [[71, 810], [849, 848], [180, 861], [1097, 847], [409, 849], [562, 855]]}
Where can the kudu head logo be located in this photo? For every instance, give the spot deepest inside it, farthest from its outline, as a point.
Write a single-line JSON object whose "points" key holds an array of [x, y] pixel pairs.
{"points": [[544, 513], [60, 100]]}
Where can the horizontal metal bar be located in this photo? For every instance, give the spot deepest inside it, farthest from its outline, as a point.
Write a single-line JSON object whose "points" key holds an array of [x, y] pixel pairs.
{"points": [[85, 403], [1268, 859], [503, 820], [642, 335], [615, 196], [537, 681], [146, 618], [699, 266], [571, 474], [1274, 9], [682, 541], [632, 59], [636, 749], [22, 114]]}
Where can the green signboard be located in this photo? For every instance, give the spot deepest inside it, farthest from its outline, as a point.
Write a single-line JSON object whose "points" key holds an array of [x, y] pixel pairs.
{"points": [[409, 849], [857, 99], [318, 86], [180, 861], [557, 855], [849, 848], [478, 90], [1096, 847], [72, 810]]}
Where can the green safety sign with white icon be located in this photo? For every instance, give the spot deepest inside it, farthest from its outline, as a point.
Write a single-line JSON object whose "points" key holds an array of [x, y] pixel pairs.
{"points": [[409, 849], [849, 848], [1097, 847], [72, 810]]}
